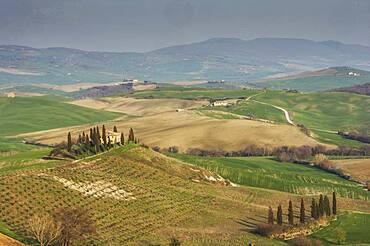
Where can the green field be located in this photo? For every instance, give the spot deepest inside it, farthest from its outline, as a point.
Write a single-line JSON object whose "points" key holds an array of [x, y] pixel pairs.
{"points": [[253, 109], [29, 114], [323, 82], [192, 93], [267, 173], [324, 111], [355, 225]]}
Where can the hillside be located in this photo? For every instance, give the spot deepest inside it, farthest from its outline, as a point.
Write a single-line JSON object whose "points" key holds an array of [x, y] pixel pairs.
{"points": [[363, 89], [139, 197], [135, 196], [214, 59], [320, 80], [27, 114]]}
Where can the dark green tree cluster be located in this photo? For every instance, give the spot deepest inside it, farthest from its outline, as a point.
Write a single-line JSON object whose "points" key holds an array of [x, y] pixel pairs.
{"points": [[97, 141], [323, 208]]}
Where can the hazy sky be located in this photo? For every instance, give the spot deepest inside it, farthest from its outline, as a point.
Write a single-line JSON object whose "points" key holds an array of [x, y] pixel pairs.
{"points": [[141, 25]]}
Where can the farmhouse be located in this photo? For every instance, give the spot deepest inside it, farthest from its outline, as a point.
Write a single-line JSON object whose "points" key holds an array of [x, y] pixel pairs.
{"points": [[115, 137], [219, 103]]}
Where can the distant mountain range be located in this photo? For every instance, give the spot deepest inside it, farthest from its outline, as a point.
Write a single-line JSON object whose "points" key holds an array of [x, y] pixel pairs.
{"points": [[214, 59]]}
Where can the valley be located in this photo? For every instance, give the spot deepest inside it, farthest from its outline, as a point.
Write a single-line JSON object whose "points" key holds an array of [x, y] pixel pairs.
{"points": [[150, 197]]}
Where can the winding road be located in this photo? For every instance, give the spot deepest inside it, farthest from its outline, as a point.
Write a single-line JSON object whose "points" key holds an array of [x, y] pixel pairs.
{"points": [[286, 113]]}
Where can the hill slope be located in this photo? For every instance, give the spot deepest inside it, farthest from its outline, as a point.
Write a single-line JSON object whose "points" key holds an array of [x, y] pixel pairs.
{"points": [[218, 58], [135, 196], [320, 80]]}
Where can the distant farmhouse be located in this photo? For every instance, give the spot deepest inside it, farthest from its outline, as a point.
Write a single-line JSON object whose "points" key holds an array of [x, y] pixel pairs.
{"points": [[114, 137]]}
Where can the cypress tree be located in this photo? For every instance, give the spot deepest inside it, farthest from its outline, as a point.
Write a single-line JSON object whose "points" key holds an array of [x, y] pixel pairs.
{"points": [[270, 216], [98, 135], [115, 129], [122, 139], [91, 133], [313, 208], [131, 136], [104, 136], [87, 139], [69, 142], [83, 137], [327, 206], [280, 215], [302, 212], [321, 206], [79, 139], [317, 212], [334, 203], [109, 143], [290, 213]]}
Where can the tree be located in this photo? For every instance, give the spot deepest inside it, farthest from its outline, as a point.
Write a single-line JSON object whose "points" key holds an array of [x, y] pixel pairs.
{"points": [[290, 213], [122, 139], [327, 206], [44, 229], [302, 213], [270, 216], [313, 208], [87, 139], [131, 136], [334, 203], [321, 206], [69, 142], [79, 139], [115, 129], [75, 224], [104, 136], [280, 215]]}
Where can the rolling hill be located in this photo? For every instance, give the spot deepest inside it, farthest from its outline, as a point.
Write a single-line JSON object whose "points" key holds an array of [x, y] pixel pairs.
{"points": [[136, 196], [321, 80], [218, 58]]}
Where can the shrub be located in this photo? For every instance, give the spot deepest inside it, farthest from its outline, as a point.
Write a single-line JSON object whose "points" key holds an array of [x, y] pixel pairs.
{"points": [[268, 230], [302, 241]]}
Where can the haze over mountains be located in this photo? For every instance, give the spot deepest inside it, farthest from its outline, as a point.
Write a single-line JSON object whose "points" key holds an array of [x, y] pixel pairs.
{"points": [[214, 59]]}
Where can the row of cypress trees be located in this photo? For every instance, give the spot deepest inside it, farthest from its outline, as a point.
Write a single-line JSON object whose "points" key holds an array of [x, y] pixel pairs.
{"points": [[318, 210], [99, 139]]}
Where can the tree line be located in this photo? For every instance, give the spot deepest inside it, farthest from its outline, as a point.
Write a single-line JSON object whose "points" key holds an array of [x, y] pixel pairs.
{"points": [[319, 210], [283, 153]]}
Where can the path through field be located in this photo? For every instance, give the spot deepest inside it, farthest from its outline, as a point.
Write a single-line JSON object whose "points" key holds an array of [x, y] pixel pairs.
{"points": [[286, 113]]}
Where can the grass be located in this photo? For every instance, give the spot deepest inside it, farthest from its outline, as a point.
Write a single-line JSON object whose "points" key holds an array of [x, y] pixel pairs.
{"points": [[192, 93], [267, 173], [29, 114], [355, 225]]}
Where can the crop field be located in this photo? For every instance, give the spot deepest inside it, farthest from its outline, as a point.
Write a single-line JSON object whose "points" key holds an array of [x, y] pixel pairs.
{"points": [[267, 173], [192, 93], [359, 169], [28, 114], [132, 194], [355, 226]]}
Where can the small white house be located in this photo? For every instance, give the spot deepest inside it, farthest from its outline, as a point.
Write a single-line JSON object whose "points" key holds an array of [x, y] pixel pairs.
{"points": [[219, 103]]}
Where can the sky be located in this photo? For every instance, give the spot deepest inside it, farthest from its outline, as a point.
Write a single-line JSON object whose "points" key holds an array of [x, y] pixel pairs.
{"points": [[144, 25]]}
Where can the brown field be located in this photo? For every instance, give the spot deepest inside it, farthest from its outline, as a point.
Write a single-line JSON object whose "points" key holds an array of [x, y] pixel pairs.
{"points": [[7, 241], [157, 123], [139, 107], [359, 169]]}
